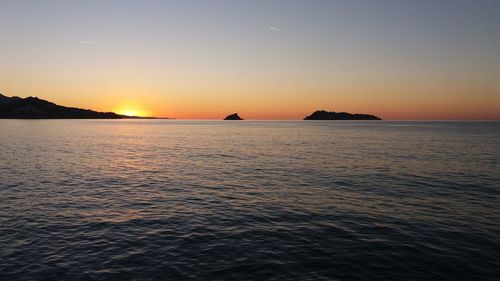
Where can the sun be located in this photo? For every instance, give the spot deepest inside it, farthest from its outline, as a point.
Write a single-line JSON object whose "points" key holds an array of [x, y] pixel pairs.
{"points": [[131, 108], [129, 112], [133, 112]]}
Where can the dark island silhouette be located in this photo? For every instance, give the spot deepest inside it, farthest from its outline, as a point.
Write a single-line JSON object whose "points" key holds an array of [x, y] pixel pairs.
{"points": [[233, 116], [332, 115], [35, 108]]}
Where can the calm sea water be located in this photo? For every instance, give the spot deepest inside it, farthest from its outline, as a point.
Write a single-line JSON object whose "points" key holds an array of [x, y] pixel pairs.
{"points": [[215, 200]]}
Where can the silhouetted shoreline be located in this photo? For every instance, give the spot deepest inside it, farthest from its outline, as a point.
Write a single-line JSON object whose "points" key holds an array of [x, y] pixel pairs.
{"points": [[35, 108]]}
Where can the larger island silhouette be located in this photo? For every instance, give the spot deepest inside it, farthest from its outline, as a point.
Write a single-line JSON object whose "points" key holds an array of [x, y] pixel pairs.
{"points": [[36, 108], [332, 115]]}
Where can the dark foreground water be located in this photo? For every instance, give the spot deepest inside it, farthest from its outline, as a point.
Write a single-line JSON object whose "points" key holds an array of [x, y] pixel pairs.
{"points": [[214, 200]]}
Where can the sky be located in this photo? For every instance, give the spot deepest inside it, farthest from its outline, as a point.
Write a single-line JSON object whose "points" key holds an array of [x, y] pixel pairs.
{"points": [[185, 59]]}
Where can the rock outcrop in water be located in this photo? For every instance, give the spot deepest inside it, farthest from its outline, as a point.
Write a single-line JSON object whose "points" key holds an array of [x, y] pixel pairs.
{"points": [[35, 108], [332, 115], [233, 116]]}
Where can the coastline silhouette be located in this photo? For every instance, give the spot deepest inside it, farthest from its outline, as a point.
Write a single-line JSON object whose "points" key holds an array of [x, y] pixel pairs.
{"points": [[35, 108]]}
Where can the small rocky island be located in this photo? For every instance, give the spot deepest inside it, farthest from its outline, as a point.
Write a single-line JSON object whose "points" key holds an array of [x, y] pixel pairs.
{"points": [[233, 116], [332, 115], [35, 108]]}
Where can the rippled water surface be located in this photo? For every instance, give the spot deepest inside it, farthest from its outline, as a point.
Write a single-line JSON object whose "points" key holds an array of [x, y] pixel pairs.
{"points": [[215, 200]]}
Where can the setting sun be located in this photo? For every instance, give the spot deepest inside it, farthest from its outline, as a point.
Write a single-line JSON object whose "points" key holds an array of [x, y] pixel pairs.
{"points": [[129, 112], [131, 109], [132, 112]]}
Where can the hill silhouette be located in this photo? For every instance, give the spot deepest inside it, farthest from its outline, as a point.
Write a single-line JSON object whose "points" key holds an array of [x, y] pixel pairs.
{"points": [[332, 115], [233, 116], [35, 108]]}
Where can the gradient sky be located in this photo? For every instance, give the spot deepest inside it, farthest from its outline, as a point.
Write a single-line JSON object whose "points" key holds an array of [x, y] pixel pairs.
{"points": [[263, 59]]}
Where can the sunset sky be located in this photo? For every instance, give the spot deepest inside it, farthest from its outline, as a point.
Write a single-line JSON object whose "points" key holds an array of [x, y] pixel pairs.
{"points": [[262, 59]]}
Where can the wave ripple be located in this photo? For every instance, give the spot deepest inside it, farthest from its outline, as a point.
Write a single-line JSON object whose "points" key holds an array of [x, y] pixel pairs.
{"points": [[178, 200]]}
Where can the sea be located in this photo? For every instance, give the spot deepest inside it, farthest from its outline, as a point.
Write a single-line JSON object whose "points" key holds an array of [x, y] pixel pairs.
{"points": [[249, 200]]}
